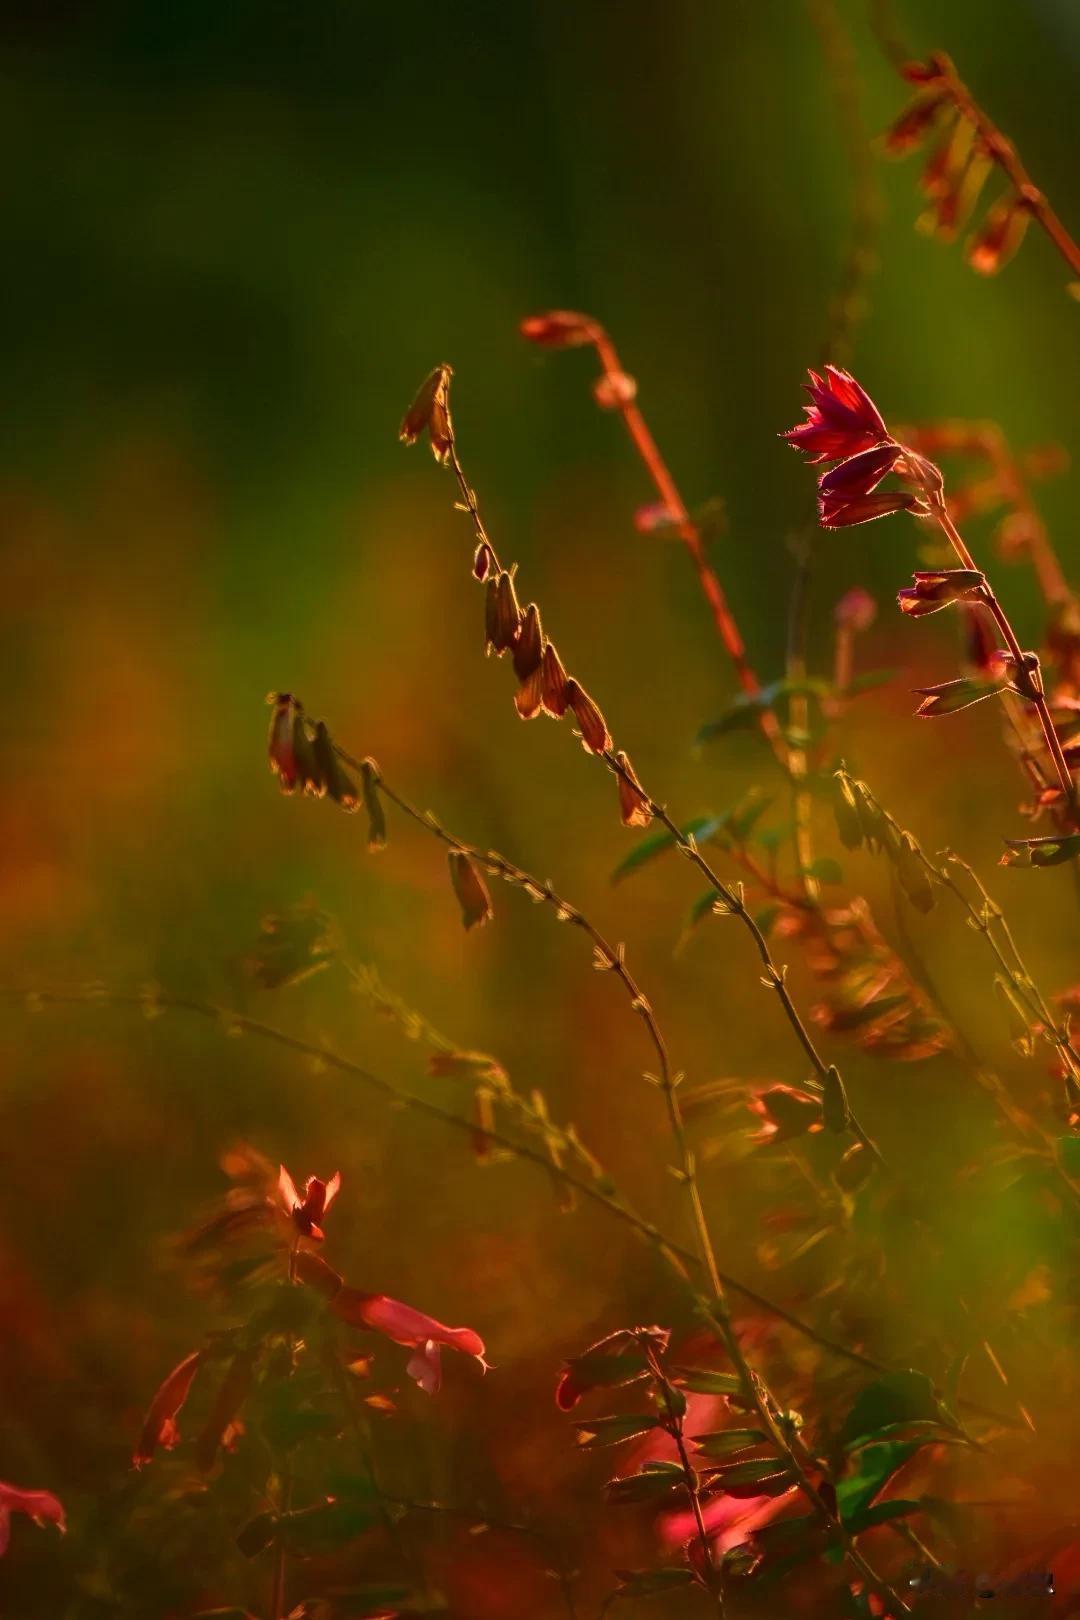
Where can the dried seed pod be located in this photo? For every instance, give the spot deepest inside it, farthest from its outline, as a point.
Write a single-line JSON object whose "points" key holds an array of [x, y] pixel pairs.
{"points": [[633, 804], [369, 783], [834, 1103], [1002, 233], [281, 743], [470, 888], [910, 129], [846, 811], [595, 737], [501, 613], [529, 698], [555, 683], [913, 877], [529, 646], [431, 410], [483, 560], [333, 777]]}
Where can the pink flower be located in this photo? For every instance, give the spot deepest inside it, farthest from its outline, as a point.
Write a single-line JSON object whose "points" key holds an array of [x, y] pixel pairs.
{"points": [[558, 329], [405, 1325], [160, 1428], [41, 1506], [856, 610], [308, 1211], [841, 418]]}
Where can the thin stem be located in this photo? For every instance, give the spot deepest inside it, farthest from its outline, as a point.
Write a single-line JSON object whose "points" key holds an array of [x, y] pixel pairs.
{"points": [[676, 1256], [675, 1428], [1026, 666], [717, 1311], [733, 902], [649, 454]]}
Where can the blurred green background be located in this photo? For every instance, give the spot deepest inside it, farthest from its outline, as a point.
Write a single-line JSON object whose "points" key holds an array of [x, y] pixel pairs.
{"points": [[236, 236]]}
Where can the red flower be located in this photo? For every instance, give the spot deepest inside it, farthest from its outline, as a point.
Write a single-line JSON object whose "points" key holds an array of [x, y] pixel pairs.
{"points": [[842, 511], [308, 1211], [160, 1428], [841, 419], [405, 1325], [41, 1506], [856, 610]]}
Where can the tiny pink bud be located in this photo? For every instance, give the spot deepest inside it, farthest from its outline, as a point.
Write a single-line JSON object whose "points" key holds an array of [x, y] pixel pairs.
{"points": [[558, 329], [614, 390]]}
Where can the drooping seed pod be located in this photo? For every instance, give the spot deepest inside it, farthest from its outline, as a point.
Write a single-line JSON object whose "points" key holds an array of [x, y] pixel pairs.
{"points": [[912, 875], [529, 697], [502, 615], [483, 560], [934, 590], [529, 646], [369, 783], [281, 745], [431, 410], [913, 124], [999, 239], [849, 823], [633, 803], [470, 888], [554, 683], [595, 737], [334, 778], [834, 1103]]}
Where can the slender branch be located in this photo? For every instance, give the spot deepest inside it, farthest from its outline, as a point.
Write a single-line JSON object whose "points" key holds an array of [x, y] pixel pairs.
{"points": [[600, 1190], [716, 1310], [1028, 676], [675, 1428]]}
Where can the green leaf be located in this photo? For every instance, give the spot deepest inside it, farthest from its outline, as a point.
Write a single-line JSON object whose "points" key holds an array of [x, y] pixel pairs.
{"points": [[826, 870], [881, 1513], [747, 708], [647, 849], [876, 1466], [1041, 851], [867, 682], [653, 1481], [896, 1397], [728, 1442], [612, 1431], [750, 1473], [703, 1381], [651, 1582]]}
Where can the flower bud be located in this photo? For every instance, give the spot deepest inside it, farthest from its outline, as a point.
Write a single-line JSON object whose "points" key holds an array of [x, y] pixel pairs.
{"points": [[431, 410], [558, 329], [470, 888], [1002, 232], [554, 683], [614, 390], [334, 778], [633, 803], [595, 737], [529, 646], [502, 615]]}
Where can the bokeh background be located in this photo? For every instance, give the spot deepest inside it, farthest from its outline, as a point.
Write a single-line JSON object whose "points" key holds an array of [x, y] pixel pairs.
{"points": [[235, 238]]}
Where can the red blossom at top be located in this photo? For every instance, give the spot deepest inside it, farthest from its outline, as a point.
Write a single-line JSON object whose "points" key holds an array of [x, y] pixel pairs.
{"points": [[841, 418], [307, 1212], [41, 1506]]}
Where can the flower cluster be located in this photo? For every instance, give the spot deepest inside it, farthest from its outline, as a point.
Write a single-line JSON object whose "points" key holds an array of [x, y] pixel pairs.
{"points": [[845, 427]]}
